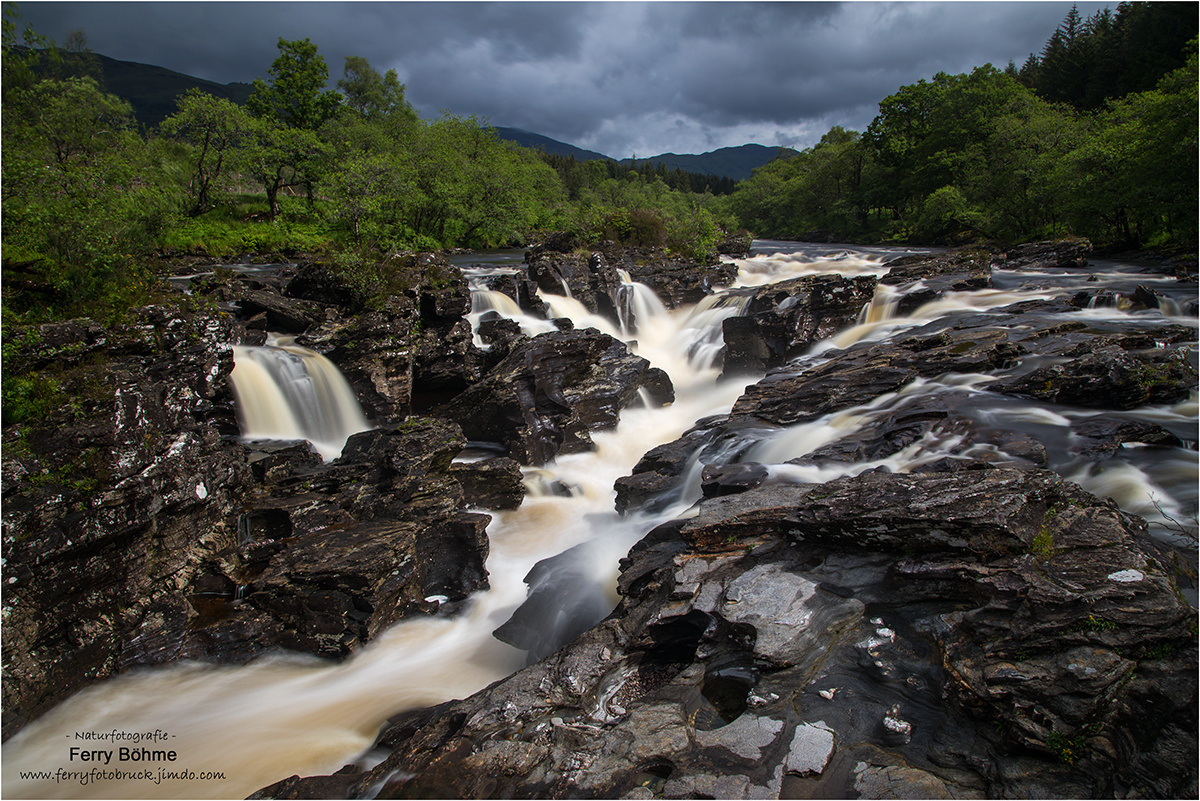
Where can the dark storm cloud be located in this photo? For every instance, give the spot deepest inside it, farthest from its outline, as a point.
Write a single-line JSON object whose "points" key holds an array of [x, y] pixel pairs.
{"points": [[621, 78]]}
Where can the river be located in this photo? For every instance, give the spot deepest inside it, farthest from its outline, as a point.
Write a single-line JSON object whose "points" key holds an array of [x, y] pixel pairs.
{"points": [[289, 714]]}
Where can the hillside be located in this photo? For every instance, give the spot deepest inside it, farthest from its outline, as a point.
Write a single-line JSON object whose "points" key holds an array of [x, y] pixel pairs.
{"points": [[553, 146], [152, 91], [729, 162]]}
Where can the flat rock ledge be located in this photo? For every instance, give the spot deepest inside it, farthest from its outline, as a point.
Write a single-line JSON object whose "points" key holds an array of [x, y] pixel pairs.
{"points": [[991, 633]]}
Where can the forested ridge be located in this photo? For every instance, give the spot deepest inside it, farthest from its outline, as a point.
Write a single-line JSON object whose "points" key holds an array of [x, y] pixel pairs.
{"points": [[1094, 137], [91, 201]]}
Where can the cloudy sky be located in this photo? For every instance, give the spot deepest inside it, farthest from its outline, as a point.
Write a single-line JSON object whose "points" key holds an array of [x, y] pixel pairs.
{"points": [[621, 78]]}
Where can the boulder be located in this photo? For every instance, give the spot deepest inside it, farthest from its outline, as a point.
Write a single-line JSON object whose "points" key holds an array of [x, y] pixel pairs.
{"points": [[495, 483], [784, 319], [551, 391]]}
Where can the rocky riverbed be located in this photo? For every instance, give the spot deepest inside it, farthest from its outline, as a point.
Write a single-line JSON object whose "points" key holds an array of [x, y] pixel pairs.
{"points": [[891, 566]]}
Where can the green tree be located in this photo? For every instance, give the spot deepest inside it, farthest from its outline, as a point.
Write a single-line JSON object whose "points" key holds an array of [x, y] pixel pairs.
{"points": [[371, 95], [291, 109], [213, 129], [83, 199], [296, 96], [1133, 177]]}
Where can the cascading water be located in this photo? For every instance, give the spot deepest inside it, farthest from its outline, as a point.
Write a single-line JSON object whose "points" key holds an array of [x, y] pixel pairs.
{"points": [[288, 715], [287, 392]]}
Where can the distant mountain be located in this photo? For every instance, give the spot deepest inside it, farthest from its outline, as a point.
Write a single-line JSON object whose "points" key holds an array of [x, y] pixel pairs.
{"points": [[728, 162], [551, 146], [153, 91]]}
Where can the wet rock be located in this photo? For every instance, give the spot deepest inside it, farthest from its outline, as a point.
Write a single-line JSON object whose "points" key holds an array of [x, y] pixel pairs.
{"points": [[957, 270], [1101, 437], [329, 557], [864, 373], [783, 319], [550, 392], [113, 499], [1051, 254], [564, 601], [1110, 377], [594, 277], [281, 314], [730, 479], [688, 687], [495, 483], [317, 283], [659, 469]]}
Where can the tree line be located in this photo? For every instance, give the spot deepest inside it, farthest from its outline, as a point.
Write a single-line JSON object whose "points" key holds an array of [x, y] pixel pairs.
{"points": [[351, 172], [1011, 154]]}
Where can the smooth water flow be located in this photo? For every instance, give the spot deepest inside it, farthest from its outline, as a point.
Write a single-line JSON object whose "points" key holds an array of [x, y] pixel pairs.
{"points": [[289, 715], [286, 392]]}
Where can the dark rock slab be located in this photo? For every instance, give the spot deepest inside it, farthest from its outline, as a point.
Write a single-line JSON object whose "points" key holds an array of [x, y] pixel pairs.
{"points": [[866, 636], [328, 557], [784, 319], [1101, 437], [495, 483], [1109, 377], [548, 394]]}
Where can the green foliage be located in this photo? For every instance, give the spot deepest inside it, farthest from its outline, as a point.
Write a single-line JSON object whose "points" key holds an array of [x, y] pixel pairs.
{"points": [[979, 156], [1043, 544], [296, 96], [374, 96], [1089, 62], [212, 129], [84, 199], [1068, 749]]}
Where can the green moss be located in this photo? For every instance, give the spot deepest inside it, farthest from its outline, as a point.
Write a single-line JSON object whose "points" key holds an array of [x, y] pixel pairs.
{"points": [[1043, 544], [1093, 623]]}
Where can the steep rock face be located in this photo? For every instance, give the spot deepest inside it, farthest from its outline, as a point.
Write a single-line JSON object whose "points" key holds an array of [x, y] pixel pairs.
{"points": [[550, 391], [413, 351], [112, 500], [329, 556], [778, 643], [138, 531], [782, 320], [406, 349]]}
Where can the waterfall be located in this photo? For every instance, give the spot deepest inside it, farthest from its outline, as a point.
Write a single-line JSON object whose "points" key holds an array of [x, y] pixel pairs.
{"points": [[288, 715], [286, 392], [636, 304]]}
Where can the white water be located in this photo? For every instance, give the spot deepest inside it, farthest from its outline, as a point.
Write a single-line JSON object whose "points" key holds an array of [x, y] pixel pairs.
{"points": [[286, 392], [283, 716]]}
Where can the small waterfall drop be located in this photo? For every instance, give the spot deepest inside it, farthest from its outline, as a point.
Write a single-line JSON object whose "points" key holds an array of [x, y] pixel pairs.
{"points": [[287, 392], [636, 304]]}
